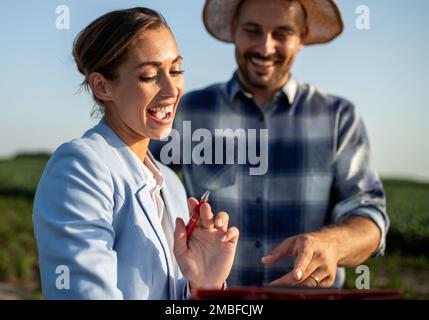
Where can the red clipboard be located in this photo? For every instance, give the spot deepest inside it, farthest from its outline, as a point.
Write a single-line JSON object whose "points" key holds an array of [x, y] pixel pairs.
{"points": [[288, 293]]}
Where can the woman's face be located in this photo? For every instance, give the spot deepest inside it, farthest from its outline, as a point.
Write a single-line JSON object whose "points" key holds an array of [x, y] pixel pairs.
{"points": [[150, 83]]}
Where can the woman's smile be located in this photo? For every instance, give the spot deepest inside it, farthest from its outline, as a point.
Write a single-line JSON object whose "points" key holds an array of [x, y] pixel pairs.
{"points": [[162, 115]]}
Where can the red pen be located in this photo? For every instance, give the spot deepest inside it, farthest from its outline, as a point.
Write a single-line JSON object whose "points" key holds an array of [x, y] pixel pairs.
{"points": [[196, 214]]}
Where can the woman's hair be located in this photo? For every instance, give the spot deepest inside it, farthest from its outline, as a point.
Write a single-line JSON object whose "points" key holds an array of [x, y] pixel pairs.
{"points": [[104, 44]]}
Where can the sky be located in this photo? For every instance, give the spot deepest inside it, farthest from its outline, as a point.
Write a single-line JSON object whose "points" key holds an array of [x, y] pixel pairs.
{"points": [[383, 70]]}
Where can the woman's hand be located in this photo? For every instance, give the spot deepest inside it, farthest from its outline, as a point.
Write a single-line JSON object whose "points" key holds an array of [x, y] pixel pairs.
{"points": [[206, 258]]}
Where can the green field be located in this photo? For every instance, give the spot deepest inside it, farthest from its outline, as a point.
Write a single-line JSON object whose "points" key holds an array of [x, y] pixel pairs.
{"points": [[405, 265]]}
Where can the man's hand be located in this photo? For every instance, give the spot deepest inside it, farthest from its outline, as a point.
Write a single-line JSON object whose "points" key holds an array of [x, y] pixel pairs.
{"points": [[206, 258], [316, 260], [319, 253]]}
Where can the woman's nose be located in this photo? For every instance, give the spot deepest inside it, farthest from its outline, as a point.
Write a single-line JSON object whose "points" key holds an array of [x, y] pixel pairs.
{"points": [[169, 87]]}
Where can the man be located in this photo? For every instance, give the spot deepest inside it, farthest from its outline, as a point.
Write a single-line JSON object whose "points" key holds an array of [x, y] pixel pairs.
{"points": [[319, 206]]}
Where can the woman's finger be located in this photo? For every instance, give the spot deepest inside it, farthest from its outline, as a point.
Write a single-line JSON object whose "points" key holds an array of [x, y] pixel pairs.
{"points": [[221, 221], [192, 203], [180, 242], [206, 219], [231, 235]]}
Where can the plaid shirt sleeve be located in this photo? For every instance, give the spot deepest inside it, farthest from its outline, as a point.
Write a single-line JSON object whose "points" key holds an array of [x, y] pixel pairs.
{"points": [[358, 190]]}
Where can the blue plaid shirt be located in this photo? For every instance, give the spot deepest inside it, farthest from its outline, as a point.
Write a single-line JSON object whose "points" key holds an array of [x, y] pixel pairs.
{"points": [[318, 170]]}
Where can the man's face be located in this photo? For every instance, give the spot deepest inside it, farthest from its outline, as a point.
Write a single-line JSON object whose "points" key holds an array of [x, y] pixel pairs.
{"points": [[267, 35]]}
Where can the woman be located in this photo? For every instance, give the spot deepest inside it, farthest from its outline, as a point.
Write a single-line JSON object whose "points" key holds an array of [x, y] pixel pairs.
{"points": [[107, 216]]}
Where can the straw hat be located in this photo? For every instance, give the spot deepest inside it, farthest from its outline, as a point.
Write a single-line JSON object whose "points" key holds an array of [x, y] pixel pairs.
{"points": [[323, 19]]}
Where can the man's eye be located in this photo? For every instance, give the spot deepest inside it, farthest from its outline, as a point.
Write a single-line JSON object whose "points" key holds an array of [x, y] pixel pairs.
{"points": [[177, 73], [147, 79], [280, 36]]}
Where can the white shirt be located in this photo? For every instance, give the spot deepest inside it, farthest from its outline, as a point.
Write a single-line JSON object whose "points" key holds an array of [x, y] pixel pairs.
{"points": [[155, 181]]}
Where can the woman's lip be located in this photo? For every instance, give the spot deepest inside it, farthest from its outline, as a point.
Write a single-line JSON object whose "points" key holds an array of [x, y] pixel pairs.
{"points": [[162, 122], [165, 104]]}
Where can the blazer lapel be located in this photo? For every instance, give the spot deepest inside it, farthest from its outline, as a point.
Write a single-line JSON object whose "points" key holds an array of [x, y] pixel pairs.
{"points": [[168, 211], [149, 209]]}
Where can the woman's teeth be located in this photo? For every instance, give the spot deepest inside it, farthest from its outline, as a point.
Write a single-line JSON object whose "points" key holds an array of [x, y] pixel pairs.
{"points": [[161, 112]]}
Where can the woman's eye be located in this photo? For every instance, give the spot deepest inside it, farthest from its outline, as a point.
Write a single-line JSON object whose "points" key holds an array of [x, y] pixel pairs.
{"points": [[147, 79], [177, 73]]}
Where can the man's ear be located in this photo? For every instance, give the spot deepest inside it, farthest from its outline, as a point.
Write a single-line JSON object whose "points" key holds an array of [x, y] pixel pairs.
{"points": [[100, 86], [304, 35]]}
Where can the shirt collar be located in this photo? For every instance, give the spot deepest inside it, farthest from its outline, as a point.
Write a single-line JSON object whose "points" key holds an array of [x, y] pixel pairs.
{"points": [[289, 89], [152, 173]]}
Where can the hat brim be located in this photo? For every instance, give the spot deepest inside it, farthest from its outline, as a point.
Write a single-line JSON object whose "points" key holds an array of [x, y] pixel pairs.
{"points": [[324, 20]]}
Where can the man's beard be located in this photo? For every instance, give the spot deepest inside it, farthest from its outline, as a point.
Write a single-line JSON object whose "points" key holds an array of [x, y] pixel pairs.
{"points": [[281, 69]]}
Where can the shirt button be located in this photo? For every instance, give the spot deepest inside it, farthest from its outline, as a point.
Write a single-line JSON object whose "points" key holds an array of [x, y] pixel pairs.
{"points": [[261, 118], [258, 244], [258, 200]]}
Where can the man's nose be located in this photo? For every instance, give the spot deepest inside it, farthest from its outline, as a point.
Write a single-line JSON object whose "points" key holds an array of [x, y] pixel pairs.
{"points": [[266, 45]]}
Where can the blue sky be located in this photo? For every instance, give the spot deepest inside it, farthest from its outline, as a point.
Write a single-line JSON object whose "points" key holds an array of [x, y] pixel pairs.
{"points": [[383, 70]]}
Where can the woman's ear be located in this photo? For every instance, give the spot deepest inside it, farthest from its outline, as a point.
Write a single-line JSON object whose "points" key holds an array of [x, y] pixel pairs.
{"points": [[100, 87]]}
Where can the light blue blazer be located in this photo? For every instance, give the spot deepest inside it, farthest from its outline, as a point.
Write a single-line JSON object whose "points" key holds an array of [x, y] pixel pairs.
{"points": [[98, 233]]}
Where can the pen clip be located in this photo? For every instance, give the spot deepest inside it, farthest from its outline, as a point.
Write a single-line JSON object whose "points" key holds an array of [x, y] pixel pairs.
{"points": [[205, 196]]}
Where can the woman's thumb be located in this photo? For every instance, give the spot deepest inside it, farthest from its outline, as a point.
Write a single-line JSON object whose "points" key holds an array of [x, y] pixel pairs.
{"points": [[180, 240]]}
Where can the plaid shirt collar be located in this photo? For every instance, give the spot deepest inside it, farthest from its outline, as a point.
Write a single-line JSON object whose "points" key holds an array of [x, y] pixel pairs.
{"points": [[234, 87]]}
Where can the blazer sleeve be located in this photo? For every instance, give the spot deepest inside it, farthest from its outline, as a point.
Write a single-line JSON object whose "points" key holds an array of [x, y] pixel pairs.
{"points": [[72, 217]]}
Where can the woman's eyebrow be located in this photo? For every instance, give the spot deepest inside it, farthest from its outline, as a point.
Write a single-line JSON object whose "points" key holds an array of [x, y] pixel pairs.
{"points": [[157, 63], [151, 63], [177, 59]]}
